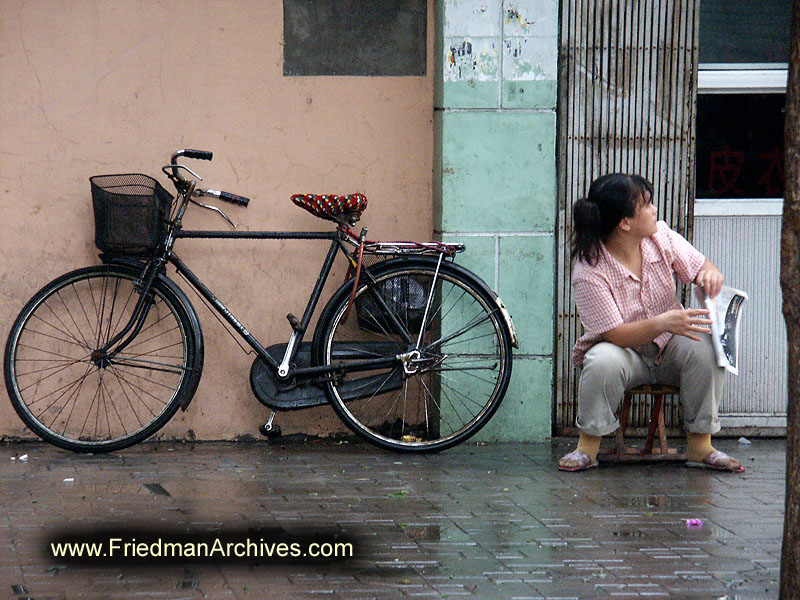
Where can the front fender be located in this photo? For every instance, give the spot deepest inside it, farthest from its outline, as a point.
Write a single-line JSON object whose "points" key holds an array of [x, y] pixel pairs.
{"points": [[194, 321]]}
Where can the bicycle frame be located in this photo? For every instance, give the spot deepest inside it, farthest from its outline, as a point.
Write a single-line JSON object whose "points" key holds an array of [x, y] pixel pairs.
{"points": [[283, 368], [154, 266]]}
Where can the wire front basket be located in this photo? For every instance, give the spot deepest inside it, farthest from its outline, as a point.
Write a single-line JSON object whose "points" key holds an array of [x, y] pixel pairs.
{"points": [[131, 213]]}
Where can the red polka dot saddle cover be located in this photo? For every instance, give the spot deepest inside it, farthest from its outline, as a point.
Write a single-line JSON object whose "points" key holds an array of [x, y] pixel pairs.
{"points": [[332, 207]]}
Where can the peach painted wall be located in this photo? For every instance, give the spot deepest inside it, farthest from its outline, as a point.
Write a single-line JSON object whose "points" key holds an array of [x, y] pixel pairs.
{"points": [[95, 86]]}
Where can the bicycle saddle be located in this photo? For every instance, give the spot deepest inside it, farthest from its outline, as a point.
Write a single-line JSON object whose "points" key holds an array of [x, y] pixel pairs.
{"points": [[332, 207]]}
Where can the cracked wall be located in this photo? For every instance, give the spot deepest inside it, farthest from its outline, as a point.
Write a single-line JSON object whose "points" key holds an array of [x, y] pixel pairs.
{"points": [[94, 87]]}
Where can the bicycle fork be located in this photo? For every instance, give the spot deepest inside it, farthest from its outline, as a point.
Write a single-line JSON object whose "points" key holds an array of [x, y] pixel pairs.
{"points": [[103, 356]]}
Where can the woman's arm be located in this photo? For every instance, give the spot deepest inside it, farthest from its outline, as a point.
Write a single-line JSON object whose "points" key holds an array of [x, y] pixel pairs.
{"points": [[710, 278], [685, 322]]}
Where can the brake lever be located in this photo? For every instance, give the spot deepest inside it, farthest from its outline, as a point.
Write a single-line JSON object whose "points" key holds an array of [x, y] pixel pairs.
{"points": [[166, 168], [214, 208]]}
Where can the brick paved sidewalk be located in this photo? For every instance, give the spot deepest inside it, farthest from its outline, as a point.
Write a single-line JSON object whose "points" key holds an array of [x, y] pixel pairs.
{"points": [[495, 521]]}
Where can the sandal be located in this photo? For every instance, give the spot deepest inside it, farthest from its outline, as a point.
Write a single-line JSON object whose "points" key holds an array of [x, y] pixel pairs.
{"points": [[717, 461], [581, 460]]}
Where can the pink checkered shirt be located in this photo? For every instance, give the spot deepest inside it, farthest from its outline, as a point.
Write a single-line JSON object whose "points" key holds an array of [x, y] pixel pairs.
{"points": [[608, 294]]}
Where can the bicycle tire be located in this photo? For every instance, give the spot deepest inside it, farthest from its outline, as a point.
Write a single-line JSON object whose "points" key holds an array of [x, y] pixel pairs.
{"points": [[48, 361], [421, 411]]}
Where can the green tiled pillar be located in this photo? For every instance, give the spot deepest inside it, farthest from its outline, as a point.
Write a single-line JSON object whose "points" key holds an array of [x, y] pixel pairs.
{"points": [[495, 184]]}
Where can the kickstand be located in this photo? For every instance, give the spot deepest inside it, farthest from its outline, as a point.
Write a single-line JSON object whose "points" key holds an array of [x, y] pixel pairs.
{"points": [[268, 429]]}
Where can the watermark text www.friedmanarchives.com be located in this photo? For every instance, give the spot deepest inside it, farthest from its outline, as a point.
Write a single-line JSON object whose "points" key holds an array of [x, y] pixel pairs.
{"points": [[154, 547]]}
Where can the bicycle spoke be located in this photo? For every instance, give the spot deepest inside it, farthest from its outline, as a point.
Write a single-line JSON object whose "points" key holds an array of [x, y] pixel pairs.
{"points": [[95, 400], [442, 303], [68, 340], [133, 388], [155, 350], [136, 387], [147, 379], [462, 331], [425, 403], [61, 368], [463, 395], [83, 308], [383, 333], [149, 365], [64, 330], [123, 315], [36, 383], [116, 410], [49, 352], [111, 314], [69, 400], [454, 407], [71, 318], [139, 342]]}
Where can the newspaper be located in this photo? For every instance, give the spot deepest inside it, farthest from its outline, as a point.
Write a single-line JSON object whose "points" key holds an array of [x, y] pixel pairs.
{"points": [[724, 312]]}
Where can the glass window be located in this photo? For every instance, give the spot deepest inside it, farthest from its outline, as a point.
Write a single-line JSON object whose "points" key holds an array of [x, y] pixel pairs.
{"points": [[740, 145], [743, 54]]}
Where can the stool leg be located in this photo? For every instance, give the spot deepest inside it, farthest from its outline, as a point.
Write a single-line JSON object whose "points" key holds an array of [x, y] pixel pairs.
{"points": [[656, 422], [662, 433], [623, 413]]}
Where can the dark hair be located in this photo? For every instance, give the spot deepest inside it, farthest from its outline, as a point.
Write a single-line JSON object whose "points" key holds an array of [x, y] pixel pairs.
{"points": [[611, 198]]}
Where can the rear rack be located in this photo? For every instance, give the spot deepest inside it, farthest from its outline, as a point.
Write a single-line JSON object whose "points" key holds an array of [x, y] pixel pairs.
{"points": [[398, 247], [412, 248]]}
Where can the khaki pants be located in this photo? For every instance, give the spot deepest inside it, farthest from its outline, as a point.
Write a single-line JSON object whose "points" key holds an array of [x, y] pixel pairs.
{"points": [[609, 370]]}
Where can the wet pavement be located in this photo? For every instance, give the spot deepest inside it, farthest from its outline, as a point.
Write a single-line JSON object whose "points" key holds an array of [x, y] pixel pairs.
{"points": [[478, 521]]}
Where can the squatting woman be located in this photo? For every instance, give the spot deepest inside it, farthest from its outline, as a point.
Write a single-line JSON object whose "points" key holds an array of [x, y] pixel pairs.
{"points": [[635, 329]]}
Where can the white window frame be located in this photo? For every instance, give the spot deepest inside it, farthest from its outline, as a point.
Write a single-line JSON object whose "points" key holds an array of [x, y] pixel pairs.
{"points": [[759, 78], [715, 78]]}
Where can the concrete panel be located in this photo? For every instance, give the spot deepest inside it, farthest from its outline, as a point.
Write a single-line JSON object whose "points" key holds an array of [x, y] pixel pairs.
{"points": [[528, 59], [470, 17], [526, 411], [471, 58], [530, 94], [470, 94], [530, 18], [479, 256], [498, 171], [526, 267]]}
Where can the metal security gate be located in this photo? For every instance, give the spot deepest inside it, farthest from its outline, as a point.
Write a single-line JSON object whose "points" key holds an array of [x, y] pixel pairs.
{"points": [[627, 75]]}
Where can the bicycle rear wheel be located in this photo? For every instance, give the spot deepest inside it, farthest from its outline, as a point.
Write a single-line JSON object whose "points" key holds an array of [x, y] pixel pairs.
{"points": [[68, 394], [445, 388]]}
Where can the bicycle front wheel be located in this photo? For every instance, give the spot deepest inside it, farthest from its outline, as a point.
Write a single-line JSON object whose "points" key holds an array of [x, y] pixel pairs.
{"points": [[451, 371], [70, 395]]}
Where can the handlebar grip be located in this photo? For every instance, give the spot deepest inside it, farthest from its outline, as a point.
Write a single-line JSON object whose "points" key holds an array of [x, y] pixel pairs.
{"points": [[198, 154], [234, 199]]}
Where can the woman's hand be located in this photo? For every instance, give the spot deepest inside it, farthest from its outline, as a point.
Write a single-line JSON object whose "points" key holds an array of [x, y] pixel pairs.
{"points": [[685, 322], [710, 279]]}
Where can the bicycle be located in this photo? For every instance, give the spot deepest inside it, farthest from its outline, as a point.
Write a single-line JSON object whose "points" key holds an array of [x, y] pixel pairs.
{"points": [[413, 352]]}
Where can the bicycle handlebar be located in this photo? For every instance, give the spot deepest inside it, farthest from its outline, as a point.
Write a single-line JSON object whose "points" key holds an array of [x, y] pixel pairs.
{"points": [[198, 154], [203, 155], [228, 197]]}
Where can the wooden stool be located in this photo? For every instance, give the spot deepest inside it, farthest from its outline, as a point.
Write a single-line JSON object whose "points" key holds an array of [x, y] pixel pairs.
{"points": [[623, 453]]}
